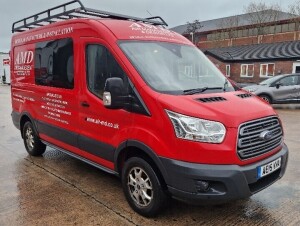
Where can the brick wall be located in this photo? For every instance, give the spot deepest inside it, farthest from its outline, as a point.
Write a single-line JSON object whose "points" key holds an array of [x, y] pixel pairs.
{"points": [[281, 37], [281, 67]]}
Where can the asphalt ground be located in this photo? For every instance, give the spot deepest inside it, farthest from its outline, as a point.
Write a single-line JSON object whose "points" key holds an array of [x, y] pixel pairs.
{"points": [[56, 189]]}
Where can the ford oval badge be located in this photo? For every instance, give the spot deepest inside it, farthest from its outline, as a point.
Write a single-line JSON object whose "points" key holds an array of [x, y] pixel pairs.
{"points": [[266, 135]]}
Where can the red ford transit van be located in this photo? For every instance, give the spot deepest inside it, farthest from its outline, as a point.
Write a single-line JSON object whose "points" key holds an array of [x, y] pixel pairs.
{"points": [[142, 102]]}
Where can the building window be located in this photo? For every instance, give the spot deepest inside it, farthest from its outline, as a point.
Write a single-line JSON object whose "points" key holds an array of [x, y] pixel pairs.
{"points": [[278, 29], [213, 36], [209, 37], [53, 63], [267, 70], [226, 35], [234, 34], [292, 27], [247, 70], [228, 70], [245, 33], [222, 35], [272, 30], [266, 30], [285, 28], [251, 31]]}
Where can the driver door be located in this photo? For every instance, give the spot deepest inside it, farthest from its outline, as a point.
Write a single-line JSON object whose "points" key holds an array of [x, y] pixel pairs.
{"points": [[101, 129]]}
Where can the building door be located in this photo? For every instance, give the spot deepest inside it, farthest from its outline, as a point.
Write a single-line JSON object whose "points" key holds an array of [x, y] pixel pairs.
{"points": [[296, 67]]}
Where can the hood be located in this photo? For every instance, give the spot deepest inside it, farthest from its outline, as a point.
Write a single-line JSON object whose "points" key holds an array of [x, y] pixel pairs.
{"points": [[231, 109], [253, 88]]}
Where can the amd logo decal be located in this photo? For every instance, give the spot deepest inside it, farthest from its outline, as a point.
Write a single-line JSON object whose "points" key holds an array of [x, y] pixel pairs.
{"points": [[25, 57], [23, 63], [148, 29], [136, 26]]}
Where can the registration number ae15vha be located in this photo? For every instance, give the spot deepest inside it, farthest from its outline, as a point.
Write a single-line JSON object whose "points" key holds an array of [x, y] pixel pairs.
{"points": [[268, 168]]}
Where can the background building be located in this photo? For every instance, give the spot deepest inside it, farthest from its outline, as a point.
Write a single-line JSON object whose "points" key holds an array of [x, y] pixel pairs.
{"points": [[4, 68], [250, 47]]}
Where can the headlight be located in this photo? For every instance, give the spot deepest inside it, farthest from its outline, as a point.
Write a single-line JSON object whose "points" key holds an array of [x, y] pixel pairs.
{"points": [[197, 129], [251, 90]]}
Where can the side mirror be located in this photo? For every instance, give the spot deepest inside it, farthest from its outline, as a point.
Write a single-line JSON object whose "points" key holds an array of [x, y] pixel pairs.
{"points": [[278, 85], [113, 96]]}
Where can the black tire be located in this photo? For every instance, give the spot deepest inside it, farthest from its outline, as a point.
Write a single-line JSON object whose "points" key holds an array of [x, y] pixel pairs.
{"points": [[148, 183], [266, 98], [32, 142]]}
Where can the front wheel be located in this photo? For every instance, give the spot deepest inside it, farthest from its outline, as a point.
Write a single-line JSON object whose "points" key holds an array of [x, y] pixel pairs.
{"points": [[266, 98], [142, 187], [32, 142]]}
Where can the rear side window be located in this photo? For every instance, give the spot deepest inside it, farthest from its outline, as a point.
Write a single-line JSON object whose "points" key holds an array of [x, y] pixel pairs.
{"points": [[100, 65], [54, 63]]}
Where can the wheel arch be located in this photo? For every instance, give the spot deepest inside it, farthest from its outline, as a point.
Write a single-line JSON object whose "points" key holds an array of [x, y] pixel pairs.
{"points": [[25, 116], [268, 95], [133, 148]]}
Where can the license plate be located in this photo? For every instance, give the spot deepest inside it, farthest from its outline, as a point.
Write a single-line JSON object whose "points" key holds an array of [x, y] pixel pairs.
{"points": [[269, 168]]}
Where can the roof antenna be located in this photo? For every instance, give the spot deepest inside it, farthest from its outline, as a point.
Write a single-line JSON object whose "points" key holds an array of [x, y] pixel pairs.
{"points": [[149, 13]]}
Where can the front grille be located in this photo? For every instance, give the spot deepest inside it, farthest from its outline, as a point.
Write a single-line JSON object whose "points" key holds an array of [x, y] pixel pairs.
{"points": [[251, 141]]}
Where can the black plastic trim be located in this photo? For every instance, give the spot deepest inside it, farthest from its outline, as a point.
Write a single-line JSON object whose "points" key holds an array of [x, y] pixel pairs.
{"points": [[94, 147], [142, 104], [58, 133], [227, 182], [23, 114], [16, 116], [81, 158], [147, 150], [97, 148]]}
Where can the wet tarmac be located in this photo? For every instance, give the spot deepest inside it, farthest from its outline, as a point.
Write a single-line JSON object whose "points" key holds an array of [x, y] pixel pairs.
{"points": [[59, 190]]}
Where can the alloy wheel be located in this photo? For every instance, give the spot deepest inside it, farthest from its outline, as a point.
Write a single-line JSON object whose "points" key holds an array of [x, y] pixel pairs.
{"points": [[140, 187]]}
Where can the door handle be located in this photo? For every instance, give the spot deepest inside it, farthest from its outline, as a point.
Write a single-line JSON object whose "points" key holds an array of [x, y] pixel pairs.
{"points": [[85, 104]]}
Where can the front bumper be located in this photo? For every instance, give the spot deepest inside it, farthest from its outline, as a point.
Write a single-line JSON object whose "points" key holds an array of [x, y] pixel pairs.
{"points": [[227, 182]]}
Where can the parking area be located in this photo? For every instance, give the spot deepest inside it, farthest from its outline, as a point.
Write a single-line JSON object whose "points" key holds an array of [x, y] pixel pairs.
{"points": [[57, 189]]}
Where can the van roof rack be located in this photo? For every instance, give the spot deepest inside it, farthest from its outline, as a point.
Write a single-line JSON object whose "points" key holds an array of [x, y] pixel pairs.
{"points": [[66, 12]]}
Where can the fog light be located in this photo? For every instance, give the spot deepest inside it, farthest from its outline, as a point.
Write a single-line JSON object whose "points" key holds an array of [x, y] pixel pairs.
{"points": [[202, 186]]}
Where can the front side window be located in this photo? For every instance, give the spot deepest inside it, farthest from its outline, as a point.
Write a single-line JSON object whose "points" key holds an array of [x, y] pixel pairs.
{"points": [[272, 80], [289, 81], [267, 70], [174, 68], [53, 65], [101, 65], [247, 70]]}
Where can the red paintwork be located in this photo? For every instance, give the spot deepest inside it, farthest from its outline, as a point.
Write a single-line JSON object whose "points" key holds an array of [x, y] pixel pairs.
{"points": [[156, 131]]}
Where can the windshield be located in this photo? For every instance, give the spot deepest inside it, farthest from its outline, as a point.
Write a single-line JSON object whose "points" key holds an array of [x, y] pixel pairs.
{"points": [[270, 80], [174, 68]]}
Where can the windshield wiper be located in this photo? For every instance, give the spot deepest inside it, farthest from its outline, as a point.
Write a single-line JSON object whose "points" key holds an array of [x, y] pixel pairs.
{"points": [[199, 90]]}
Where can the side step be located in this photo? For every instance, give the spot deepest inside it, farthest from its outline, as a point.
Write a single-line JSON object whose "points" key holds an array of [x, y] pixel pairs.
{"points": [[81, 158]]}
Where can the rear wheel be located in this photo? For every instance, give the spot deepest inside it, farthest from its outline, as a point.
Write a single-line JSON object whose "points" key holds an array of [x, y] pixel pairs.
{"points": [[266, 98], [142, 187], [32, 142]]}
